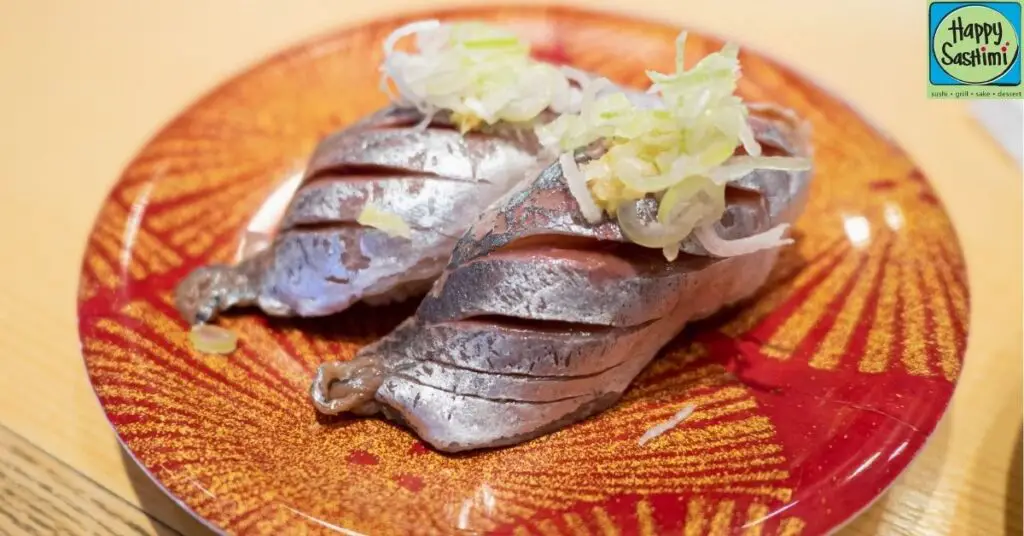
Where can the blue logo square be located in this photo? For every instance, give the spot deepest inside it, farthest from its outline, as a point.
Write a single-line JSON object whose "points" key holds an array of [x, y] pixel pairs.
{"points": [[938, 11]]}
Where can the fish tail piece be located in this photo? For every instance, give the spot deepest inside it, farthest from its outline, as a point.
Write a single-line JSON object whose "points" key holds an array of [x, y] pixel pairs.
{"points": [[209, 290], [347, 386]]}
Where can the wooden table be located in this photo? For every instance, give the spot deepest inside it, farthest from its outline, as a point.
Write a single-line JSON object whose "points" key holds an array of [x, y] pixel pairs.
{"points": [[85, 83]]}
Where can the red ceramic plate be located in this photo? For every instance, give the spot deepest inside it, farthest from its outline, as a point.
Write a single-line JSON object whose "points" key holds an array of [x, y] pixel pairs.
{"points": [[811, 398]]}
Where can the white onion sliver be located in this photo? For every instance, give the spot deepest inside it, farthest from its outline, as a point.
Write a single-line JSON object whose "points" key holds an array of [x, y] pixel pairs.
{"points": [[406, 93], [654, 234], [578, 188], [737, 167], [651, 234], [671, 423], [784, 163], [393, 60], [575, 94], [671, 251], [719, 247], [750, 144], [582, 78], [427, 119], [407, 30], [592, 89]]}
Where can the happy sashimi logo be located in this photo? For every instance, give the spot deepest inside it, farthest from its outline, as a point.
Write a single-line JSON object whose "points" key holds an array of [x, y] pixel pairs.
{"points": [[974, 50]]}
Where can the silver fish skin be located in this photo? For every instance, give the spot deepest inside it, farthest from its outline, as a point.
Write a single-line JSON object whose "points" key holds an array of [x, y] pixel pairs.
{"points": [[542, 319], [321, 261]]}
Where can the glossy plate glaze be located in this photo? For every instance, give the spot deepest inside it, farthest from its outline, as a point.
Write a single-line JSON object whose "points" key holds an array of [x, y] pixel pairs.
{"points": [[810, 399]]}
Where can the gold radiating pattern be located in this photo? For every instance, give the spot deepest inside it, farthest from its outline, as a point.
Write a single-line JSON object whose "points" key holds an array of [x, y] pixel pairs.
{"points": [[253, 405], [236, 440]]}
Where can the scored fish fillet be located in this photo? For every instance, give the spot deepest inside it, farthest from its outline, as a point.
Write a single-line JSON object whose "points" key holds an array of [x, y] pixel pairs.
{"points": [[435, 179], [541, 319]]}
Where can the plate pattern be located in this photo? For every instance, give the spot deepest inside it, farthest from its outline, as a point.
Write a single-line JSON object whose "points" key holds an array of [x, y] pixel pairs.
{"points": [[811, 397]]}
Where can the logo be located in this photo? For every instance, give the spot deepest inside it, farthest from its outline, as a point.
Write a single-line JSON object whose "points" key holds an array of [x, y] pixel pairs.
{"points": [[974, 49]]}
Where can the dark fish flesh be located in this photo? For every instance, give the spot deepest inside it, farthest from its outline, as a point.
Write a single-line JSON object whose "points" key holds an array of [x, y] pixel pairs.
{"points": [[541, 319]]}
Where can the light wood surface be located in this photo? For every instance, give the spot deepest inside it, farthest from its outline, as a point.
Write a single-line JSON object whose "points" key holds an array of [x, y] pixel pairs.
{"points": [[42, 495], [84, 84]]}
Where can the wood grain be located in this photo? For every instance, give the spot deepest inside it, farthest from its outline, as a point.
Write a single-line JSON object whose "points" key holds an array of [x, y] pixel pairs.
{"points": [[86, 83], [42, 495]]}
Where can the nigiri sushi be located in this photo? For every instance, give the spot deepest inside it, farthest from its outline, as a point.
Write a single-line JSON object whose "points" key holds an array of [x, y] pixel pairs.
{"points": [[382, 202], [547, 310]]}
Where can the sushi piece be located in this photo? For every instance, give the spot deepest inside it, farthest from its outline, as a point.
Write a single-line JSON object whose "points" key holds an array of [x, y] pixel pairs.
{"points": [[382, 203], [336, 244], [545, 313]]}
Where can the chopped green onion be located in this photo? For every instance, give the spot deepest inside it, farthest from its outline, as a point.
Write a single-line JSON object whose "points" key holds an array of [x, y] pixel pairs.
{"points": [[479, 73], [677, 146]]}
